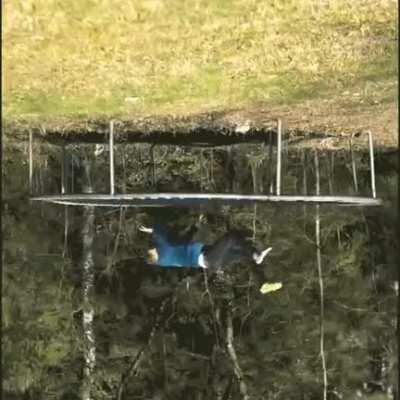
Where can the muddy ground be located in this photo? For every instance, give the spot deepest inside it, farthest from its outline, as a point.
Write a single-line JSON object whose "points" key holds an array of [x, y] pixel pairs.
{"points": [[322, 125]]}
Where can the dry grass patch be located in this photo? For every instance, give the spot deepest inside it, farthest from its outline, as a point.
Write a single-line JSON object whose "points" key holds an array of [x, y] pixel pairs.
{"points": [[153, 56]]}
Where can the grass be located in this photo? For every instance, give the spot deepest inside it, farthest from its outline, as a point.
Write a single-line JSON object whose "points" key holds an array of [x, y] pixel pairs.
{"points": [[80, 58]]}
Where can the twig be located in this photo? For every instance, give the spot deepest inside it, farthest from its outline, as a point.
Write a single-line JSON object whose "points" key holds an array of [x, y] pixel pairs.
{"points": [[249, 285], [117, 239], [232, 353], [329, 173], [228, 389], [215, 318], [321, 283], [351, 308], [212, 168], [129, 242], [353, 166], [253, 164], [243, 321], [72, 174], [134, 365], [120, 223], [153, 167], [201, 170], [254, 223], [195, 355], [165, 369], [338, 238], [309, 240], [66, 227]]}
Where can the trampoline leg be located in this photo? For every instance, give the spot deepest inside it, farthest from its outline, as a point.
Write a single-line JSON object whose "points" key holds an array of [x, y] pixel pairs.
{"points": [[279, 159], [31, 161], [111, 145], [63, 170], [372, 163]]}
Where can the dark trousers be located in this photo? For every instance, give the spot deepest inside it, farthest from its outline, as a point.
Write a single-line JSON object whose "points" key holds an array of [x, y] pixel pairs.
{"points": [[230, 249]]}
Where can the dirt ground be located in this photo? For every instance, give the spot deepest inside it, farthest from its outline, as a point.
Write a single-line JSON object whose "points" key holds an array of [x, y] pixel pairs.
{"points": [[323, 125]]}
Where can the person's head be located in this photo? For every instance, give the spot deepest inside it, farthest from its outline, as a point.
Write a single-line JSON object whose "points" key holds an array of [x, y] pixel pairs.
{"points": [[152, 256]]}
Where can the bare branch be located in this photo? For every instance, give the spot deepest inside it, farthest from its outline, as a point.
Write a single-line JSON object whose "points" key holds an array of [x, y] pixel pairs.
{"points": [[232, 353], [135, 363], [215, 316]]}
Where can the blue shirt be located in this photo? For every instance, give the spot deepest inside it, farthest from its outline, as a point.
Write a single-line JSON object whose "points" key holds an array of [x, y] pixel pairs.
{"points": [[185, 254]]}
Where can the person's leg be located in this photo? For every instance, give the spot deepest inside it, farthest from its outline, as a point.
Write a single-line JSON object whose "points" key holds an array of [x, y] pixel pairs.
{"points": [[232, 249], [245, 251], [227, 251]]}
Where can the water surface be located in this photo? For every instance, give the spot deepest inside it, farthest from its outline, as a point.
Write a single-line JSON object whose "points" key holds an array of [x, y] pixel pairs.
{"points": [[85, 316]]}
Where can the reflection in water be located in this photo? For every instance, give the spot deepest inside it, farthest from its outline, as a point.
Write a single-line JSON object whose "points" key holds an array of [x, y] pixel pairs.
{"points": [[186, 332]]}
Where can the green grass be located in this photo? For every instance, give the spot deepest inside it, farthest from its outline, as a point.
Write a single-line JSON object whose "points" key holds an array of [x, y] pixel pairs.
{"points": [[69, 58]]}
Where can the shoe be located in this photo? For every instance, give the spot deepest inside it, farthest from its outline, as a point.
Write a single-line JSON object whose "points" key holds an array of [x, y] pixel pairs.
{"points": [[259, 258], [143, 228]]}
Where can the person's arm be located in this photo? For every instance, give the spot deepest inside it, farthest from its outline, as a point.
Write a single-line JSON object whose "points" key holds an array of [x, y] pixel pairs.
{"points": [[159, 233]]}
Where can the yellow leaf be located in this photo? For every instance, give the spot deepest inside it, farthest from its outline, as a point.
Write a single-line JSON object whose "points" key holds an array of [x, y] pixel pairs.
{"points": [[270, 287]]}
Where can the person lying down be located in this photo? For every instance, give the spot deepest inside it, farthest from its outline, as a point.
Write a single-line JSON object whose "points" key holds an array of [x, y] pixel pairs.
{"points": [[184, 251]]}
